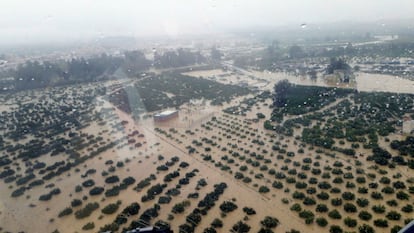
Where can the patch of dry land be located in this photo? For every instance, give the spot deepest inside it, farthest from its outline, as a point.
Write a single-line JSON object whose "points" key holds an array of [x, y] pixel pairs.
{"points": [[72, 162]]}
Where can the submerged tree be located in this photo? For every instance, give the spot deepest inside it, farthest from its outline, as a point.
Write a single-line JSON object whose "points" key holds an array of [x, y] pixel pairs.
{"points": [[337, 64], [280, 96]]}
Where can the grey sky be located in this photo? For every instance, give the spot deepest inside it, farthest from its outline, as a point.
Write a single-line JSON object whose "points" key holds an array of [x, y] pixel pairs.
{"points": [[49, 20]]}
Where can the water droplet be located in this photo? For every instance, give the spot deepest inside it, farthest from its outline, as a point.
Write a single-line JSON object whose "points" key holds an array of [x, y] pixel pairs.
{"points": [[303, 25]]}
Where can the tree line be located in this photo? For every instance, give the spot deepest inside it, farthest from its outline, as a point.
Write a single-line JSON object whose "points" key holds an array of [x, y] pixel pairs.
{"points": [[37, 74]]}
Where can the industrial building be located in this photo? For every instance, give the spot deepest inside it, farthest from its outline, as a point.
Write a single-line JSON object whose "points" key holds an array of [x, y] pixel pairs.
{"points": [[165, 115]]}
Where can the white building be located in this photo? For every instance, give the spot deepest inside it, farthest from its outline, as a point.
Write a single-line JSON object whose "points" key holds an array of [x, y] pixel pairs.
{"points": [[408, 126]]}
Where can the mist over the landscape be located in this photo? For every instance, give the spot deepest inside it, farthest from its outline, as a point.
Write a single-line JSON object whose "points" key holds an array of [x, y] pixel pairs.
{"points": [[192, 116], [45, 21]]}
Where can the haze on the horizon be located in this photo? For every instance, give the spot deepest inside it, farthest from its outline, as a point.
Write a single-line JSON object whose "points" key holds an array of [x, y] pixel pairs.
{"points": [[25, 22]]}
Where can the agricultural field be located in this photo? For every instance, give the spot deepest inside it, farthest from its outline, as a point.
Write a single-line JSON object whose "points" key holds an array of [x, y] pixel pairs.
{"points": [[306, 159]]}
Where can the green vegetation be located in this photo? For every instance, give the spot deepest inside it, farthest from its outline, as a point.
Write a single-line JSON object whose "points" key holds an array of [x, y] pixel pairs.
{"points": [[66, 211], [110, 208], [87, 210], [270, 222]]}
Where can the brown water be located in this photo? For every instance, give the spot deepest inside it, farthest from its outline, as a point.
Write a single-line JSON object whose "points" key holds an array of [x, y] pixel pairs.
{"points": [[364, 82], [384, 83]]}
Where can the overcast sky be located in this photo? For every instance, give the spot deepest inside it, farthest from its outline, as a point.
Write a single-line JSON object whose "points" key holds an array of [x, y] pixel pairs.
{"points": [[51, 20]]}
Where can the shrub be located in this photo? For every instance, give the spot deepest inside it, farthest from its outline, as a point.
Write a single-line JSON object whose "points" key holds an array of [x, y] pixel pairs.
{"points": [[217, 223], [270, 222], [111, 227], [311, 190], [277, 185], [350, 208], [366, 229], [192, 195], [247, 180], [324, 185], [121, 219], [306, 214], [209, 230], [379, 209], [335, 190], [298, 195], [249, 211], [323, 196], [309, 201], [132, 209], [398, 185], [88, 183], [18, 192], [78, 188], [128, 180], [110, 208], [228, 206], [360, 180], [301, 185], [193, 218], [401, 195], [350, 222], [66, 211], [96, 191], [296, 207], [362, 190], [88, 226], [362, 202], [392, 202], [348, 196], [112, 179], [393, 215], [381, 223], [407, 208], [365, 215], [45, 197], [335, 229], [264, 189], [336, 201], [313, 180], [387, 190], [164, 200], [334, 214], [321, 221], [385, 180], [265, 230], [321, 208], [180, 207], [76, 202], [241, 227], [396, 229], [376, 195], [87, 210]]}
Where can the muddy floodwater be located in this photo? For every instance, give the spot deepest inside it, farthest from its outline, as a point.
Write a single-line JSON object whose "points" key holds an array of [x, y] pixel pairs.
{"points": [[384, 83], [265, 80]]}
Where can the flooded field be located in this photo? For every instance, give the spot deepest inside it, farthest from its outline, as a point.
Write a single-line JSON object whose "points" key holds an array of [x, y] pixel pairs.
{"points": [[262, 169], [383, 83]]}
